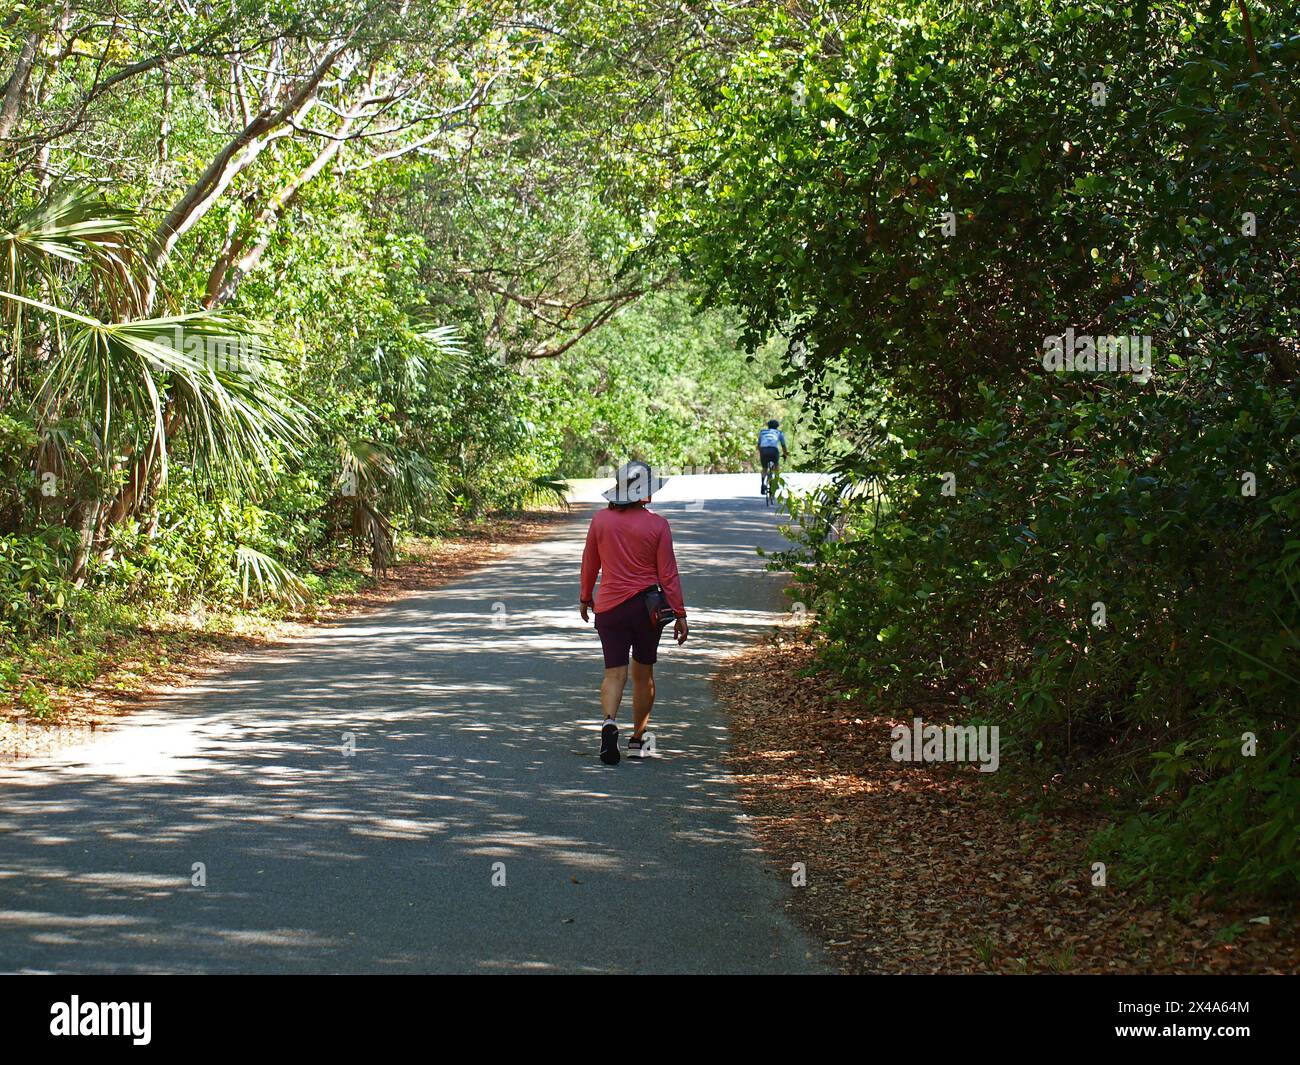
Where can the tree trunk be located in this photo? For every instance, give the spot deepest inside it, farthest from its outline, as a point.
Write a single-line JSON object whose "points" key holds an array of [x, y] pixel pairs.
{"points": [[240, 151], [238, 258], [12, 105]]}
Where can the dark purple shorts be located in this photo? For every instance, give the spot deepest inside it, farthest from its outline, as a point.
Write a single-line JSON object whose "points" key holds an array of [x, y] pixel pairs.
{"points": [[627, 627]]}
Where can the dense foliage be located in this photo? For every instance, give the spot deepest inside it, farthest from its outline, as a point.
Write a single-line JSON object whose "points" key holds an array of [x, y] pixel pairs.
{"points": [[278, 281], [919, 196]]}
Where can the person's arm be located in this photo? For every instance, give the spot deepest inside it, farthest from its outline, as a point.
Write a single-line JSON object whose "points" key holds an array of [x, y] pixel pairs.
{"points": [[785, 451], [666, 564], [590, 568], [671, 582]]}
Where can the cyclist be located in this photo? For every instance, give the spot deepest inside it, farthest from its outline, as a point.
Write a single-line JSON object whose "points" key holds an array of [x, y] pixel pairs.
{"points": [[770, 439]]}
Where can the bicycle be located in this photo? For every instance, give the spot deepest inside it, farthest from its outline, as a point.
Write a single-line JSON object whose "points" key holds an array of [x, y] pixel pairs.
{"points": [[769, 482]]}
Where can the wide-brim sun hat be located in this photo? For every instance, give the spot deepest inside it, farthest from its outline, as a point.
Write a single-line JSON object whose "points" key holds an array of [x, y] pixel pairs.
{"points": [[633, 483]]}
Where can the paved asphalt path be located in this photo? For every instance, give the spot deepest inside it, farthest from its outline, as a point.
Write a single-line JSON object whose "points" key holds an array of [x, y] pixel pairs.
{"points": [[473, 710]]}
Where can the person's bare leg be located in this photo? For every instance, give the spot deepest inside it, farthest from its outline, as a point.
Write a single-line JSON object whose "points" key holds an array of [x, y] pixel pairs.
{"points": [[643, 696], [611, 690]]}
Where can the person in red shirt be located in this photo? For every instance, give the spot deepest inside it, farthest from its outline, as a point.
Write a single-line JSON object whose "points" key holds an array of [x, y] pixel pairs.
{"points": [[631, 548]]}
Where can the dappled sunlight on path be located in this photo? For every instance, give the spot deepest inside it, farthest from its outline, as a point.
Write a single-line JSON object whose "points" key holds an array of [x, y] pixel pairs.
{"points": [[470, 714]]}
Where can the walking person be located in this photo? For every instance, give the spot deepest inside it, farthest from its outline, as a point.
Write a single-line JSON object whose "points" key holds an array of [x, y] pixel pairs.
{"points": [[631, 549]]}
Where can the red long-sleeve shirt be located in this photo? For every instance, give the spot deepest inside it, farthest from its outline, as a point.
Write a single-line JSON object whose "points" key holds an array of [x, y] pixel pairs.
{"points": [[631, 549]]}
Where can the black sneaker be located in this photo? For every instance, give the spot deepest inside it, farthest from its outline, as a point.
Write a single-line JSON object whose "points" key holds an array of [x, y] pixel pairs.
{"points": [[609, 744]]}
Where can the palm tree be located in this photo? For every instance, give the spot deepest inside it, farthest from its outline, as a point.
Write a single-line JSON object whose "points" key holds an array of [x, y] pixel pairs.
{"points": [[134, 383], [382, 481], [378, 481]]}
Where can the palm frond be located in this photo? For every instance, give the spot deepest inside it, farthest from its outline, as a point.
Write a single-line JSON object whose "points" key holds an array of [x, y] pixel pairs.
{"points": [[547, 489], [445, 340], [404, 477], [202, 373], [270, 578], [424, 355], [76, 225], [364, 466]]}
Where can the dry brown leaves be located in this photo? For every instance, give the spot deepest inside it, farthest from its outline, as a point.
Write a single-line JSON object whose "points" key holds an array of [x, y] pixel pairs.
{"points": [[926, 868]]}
